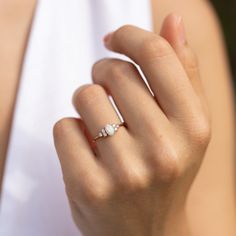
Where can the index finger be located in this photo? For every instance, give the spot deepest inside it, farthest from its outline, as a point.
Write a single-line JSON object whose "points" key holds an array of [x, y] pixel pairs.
{"points": [[161, 67]]}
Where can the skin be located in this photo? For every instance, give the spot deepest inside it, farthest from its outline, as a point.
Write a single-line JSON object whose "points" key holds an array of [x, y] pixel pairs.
{"points": [[15, 20], [217, 183], [213, 191], [142, 174]]}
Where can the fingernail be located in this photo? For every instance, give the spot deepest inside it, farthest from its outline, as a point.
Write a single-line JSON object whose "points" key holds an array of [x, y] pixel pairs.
{"points": [[107, 41], [107, 37], [181, 31]]}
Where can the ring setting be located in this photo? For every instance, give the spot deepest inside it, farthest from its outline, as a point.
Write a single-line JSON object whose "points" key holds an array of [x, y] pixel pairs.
{"points": [[108, 130]]}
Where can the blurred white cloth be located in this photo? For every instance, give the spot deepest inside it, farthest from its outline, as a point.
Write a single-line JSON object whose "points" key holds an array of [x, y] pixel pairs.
{"points": [[65, 40]]}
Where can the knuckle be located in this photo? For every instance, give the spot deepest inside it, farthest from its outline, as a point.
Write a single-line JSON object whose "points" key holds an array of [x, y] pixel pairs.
{"points": [[200, 132], [95, 194], [89, 94], [61, 126], [112, 71], [121, 67], [167, 165], [155, 47], [134, 179], [98, 67], [170, 170], [120, 70], [122, 31]]}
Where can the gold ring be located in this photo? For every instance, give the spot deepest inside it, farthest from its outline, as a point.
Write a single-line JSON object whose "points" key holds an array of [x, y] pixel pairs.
{"points": [[108, 130]]}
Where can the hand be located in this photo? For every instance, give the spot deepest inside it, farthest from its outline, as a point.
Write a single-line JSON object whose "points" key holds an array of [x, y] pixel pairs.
{"points": [[137, 181]]}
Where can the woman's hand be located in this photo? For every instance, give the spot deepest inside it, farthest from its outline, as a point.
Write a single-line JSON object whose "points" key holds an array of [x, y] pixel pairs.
{"points": [[136, 182]]}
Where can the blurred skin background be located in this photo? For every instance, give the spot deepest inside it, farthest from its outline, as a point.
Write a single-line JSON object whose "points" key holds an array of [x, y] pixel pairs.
{"points": [[227, 11]]}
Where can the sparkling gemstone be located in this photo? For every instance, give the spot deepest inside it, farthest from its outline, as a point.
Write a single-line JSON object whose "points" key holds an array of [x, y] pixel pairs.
{"points": [[110, 130], [104, 132]]}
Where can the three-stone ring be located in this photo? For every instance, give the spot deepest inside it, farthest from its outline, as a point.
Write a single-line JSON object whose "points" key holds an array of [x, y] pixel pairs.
{"points": [[108, 130]]}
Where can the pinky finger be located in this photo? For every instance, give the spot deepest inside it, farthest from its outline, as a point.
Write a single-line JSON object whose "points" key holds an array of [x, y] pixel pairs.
{"points": [[81, 170]]}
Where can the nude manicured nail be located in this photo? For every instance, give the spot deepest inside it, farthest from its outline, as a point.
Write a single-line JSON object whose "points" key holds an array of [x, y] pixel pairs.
{"points": [[107, 37], [181, 30]]}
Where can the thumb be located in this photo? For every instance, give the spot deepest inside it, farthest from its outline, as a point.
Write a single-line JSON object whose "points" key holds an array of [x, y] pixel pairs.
{"points": [[173, 31]]}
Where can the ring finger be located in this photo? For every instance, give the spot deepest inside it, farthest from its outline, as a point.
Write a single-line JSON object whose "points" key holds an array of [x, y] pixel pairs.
{"points": [[118, 152]]}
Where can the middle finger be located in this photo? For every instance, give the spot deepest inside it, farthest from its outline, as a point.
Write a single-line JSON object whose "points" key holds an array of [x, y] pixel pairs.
{"points": [[137, 105], [162, 68]]}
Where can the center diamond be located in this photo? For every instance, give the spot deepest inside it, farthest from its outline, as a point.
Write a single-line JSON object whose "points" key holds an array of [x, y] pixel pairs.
{"points": [[110, 130]]}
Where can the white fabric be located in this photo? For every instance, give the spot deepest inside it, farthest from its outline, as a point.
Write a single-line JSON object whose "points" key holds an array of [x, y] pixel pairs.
{"points": [[65, 40]]}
